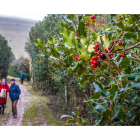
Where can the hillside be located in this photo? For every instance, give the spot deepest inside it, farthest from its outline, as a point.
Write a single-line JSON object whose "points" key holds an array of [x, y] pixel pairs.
{"points": [[16, 31]]}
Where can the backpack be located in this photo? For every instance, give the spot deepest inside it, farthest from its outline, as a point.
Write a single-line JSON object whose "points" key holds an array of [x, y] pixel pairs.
{"points": [[3, 93]]}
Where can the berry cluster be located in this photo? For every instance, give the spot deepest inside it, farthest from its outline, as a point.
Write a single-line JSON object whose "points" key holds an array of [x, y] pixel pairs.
{"points": [[93, 17], [94, 62]]}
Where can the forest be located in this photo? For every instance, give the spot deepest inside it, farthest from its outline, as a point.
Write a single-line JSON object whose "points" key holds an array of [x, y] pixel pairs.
{"points": [[89, 64]]}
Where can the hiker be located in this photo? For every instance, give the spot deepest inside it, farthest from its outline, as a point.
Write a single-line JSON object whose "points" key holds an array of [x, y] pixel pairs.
{"points": [[3, 97], [22, 77], [14, 93]]}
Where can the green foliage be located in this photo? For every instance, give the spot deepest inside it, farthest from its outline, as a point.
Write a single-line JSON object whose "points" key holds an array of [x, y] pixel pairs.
{"points": [[116, 99], [21, 65], [6, 57]]}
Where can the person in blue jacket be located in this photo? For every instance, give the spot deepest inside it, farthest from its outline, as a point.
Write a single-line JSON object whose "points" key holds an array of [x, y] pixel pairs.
{"points": [[14, 93], [22, 77]]}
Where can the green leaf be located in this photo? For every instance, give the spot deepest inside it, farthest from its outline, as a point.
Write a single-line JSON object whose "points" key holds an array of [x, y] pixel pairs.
{"points": [[120, 115], [105, 116], [40, 44], [55, 52], [82, 121], [100, 108], [81, 29], [83, 47], [96, 96], [125, 62], [71, 120], [118, 47], [84, 56], [90, 48], [98, 88], [70, 16], [132, 76], [68, 37], [106, 42], [113, 90], [66, 116], [120, 25], [130, 35], [94, 36], [51, 40]]}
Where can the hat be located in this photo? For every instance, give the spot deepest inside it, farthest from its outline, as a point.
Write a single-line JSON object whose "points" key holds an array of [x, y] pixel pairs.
{"points": [[12, 79]]}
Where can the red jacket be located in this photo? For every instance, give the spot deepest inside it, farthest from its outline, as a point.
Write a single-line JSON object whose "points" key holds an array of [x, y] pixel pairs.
{"points": [[4, 100]]}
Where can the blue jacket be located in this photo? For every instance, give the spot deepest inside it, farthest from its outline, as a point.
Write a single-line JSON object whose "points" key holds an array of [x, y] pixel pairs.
{"points": [[22, 76], [14, 92]]}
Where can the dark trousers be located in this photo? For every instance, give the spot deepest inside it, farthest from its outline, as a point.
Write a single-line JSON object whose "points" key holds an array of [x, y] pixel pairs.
{"points": [[21, 81], [14, 107]]}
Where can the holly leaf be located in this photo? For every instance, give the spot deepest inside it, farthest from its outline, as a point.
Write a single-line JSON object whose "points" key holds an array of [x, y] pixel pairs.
{"points": [[82, 121], [105, 116], [51, 40], [106, 42], [113, 90], [81, 29], [118, 47], [40, 44], [96, 96], [98, 88], [83, 45], [90, 48], [125, 62], [68, 37], [130, 35], [120, 25], [132, 76], [84, 56]]}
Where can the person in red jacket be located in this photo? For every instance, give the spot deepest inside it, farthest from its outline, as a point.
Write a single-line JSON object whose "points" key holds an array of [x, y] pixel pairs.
{"points": [[3, 85]]}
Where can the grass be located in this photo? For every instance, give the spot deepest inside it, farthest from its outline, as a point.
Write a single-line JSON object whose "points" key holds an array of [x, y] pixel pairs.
{"points": [[37, 111]]}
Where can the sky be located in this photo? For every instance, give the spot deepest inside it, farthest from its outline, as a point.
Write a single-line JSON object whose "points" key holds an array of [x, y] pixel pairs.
{"points": [[38, 9]]}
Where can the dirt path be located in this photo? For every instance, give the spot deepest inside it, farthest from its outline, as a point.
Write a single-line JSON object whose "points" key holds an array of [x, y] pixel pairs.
{"points": [[24, 107]]}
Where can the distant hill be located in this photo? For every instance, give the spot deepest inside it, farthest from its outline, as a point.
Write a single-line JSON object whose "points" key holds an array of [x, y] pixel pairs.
{"points": [[16, 31]]}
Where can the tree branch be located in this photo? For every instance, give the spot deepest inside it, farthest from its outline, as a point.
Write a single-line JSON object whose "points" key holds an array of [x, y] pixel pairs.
{"points": [[115, 42]]}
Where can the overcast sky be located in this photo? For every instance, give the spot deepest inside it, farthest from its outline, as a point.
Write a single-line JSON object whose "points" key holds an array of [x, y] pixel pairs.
{"points": [[37, 9]]}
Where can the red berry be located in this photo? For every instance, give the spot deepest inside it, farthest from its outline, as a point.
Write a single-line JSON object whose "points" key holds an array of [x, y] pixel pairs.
{"points": [[77, 35], [109, 48], [117, 37], [93, 17], [111, 37], [77, 57], [111, 56], [91, 61], [97, 54], [93, 65], [120, 43], [97, 50], [112, 42], [106, 51], [113, 75], [123, 55], [96, 57], [96, 46], [95, 62], [101, 55], [98, 64], [118, 66]]}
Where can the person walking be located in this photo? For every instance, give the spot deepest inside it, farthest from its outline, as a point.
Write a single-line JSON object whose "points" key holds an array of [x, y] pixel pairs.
{"points": [[14, 93], [22, 77], [3, 100]]}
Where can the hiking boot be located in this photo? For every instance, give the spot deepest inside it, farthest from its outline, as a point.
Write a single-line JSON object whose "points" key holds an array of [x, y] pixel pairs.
{"points": [[11, 115], [15, 116], [2, 113]]}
